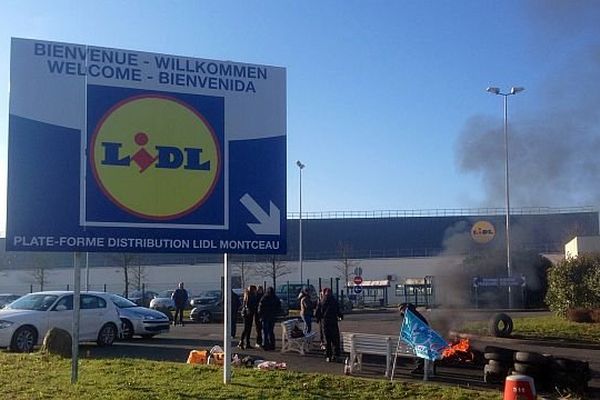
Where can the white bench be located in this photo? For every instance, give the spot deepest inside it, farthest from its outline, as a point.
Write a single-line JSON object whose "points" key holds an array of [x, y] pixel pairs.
{"points": [[358, 344], [299, 344]]}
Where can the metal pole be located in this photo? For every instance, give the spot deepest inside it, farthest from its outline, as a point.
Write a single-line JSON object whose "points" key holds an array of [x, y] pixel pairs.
{"points": [[300, 236], [508, 267], [227, 321], [75, 327], [87, 271]]}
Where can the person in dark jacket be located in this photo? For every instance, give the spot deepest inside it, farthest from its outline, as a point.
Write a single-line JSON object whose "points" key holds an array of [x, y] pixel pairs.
{"points": [[420, 362], [180, 298], [249, 310], [328, 313], [268, 308], [235, 308], [259, 294]]}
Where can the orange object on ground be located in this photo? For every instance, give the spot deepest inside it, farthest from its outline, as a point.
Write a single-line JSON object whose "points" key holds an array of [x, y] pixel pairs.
{"points": [[218, 358], [197, 357], [519, 387]]}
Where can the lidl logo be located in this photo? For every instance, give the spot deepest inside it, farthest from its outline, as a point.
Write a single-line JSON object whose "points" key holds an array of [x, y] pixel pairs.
{"points": [[155, 157], [483, 232]]}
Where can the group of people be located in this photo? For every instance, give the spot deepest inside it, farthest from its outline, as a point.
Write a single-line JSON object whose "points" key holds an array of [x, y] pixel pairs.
{"points": [[260, 310]]}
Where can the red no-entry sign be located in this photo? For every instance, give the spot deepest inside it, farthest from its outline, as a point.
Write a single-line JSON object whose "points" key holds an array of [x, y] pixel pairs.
{"points": [[358, 280]]}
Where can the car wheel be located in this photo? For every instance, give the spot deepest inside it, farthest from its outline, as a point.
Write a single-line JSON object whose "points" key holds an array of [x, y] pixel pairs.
{"points": [[107, 335], [204, 317], [127, 329], [24, 339]]}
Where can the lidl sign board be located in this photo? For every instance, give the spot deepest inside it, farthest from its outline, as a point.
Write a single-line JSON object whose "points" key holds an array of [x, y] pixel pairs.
{"points": [[126, 151]]}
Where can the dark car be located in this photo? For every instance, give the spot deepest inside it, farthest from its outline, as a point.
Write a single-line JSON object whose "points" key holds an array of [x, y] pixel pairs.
{"points": [[7, 298], [289, 292], [142, 297]]}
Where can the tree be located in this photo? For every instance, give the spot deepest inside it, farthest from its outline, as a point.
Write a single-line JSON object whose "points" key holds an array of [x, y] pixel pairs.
{"points": [[139, 275], [274, 268], [346, 266], [243, 269], [574, 283], [39, 276], [124, 261]]}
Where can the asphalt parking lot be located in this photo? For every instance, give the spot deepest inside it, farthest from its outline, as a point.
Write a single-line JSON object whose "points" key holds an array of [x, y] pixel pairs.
{"points": [[175, 346]]}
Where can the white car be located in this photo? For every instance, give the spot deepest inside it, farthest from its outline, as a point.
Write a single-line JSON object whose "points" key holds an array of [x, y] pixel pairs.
{"points": [[25, 322], [139, 320], [163, 302]]}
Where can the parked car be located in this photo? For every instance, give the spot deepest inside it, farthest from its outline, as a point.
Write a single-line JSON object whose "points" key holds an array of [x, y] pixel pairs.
{"points": [[163, 302], [7, 298], [288, 293], [25, 321], [138, 320], [201, 298], [209, 309], [142, 298]]}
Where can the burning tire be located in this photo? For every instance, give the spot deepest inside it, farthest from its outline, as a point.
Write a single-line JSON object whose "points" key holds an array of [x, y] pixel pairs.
{"points": [[501, 325]]}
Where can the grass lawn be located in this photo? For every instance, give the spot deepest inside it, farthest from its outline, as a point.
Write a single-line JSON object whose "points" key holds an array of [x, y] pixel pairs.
{"points": [[546, 327], [38, 376]]}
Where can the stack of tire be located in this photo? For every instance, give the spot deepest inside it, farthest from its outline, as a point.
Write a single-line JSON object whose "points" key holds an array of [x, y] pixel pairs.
{"points": [[548, 372], [499, 363]]}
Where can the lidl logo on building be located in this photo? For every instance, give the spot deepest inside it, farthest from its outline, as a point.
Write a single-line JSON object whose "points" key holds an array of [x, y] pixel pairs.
{"points": [[155, 157], [483, 232]]}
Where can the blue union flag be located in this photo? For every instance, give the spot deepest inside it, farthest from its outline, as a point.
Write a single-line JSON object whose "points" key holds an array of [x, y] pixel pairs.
{"points": [[425, 342]]}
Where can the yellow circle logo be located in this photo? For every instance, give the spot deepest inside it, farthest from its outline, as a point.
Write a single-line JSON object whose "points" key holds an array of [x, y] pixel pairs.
{"points": [[483, 232], [155, 157]]}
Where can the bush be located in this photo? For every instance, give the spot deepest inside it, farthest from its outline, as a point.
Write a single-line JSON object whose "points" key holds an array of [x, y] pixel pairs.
{"points": [[595, 315], [574, 283]]}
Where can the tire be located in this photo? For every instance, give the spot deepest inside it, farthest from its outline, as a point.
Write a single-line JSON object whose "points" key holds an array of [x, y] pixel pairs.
{"points": [[527, 369], [501, 325], [107, 335], [204, 317], [24, 339], [504, 357], [531, 358], [495, 367], [499, 365], [127, 329], [490, 375]]}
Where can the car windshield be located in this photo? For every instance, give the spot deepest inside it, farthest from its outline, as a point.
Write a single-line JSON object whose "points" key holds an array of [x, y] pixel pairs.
{"points": [[36, 302], [122, 302], [165, 294]]}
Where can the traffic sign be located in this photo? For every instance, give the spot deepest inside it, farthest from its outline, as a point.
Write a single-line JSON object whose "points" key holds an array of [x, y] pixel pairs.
{"points": [[358, 280], [128, 151], [358, 271], [358, 289]]}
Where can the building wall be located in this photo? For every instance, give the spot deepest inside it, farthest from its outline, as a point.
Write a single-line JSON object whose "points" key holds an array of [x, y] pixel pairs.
{"points": [[582, 244]]}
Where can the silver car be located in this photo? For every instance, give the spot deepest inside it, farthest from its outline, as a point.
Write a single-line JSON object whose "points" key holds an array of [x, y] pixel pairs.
{"points": [[138, 320]]}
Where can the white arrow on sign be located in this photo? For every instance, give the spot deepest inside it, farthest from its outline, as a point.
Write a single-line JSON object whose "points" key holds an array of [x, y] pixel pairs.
{"points": [[268, 223]]}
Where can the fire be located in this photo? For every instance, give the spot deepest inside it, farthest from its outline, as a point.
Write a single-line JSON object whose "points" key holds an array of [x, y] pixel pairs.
{"points": [[462, 346]]}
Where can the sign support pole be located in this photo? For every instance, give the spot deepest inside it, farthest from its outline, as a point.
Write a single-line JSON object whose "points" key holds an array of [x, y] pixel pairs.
{"points": [[227, 321], [76, 304]]}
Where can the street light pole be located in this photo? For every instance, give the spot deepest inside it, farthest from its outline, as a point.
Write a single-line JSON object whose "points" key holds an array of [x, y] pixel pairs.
{"points": [[513, 91], [300, 168]]}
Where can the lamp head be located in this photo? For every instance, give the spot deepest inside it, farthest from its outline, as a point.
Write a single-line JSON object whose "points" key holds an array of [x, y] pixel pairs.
{"points": [[515, 90], [493, 90], [300, 165]]}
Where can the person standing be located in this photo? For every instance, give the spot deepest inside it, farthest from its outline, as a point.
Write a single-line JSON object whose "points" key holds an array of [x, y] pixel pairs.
{"points": [[259, 294], [249, 309], [180, 298], [235, 307], [328, 311], [268, 308], [306, 310]]}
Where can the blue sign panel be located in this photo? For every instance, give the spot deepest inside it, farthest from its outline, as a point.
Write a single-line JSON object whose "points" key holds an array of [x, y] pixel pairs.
{"points": [[124, 151], [357, 289]]}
